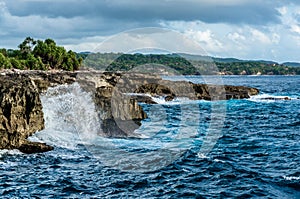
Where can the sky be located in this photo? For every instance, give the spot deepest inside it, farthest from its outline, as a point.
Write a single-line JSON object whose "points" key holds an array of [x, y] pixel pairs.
{"points": [[244, 29]]}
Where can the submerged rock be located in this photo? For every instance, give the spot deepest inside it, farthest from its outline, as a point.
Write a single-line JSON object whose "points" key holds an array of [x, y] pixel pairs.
{"points": [[275, 98], [34, 147]]}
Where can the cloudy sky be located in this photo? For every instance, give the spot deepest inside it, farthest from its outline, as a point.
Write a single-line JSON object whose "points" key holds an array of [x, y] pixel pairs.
{"points": [[246, 29]]}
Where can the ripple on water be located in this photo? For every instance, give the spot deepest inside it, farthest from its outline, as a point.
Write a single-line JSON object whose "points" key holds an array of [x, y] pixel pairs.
{"points": [[257, 155]]}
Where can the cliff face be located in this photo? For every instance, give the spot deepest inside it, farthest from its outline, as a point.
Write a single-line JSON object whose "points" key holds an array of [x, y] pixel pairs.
{"points": [[121, 113], [21, 114], [21, 109]]}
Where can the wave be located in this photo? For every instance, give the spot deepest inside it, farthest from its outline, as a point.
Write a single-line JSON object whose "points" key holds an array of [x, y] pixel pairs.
{"points": [[6, 152], [70, 117], [161, 99], [72, 121], [292, 178], [271, 98], [175, 101]]}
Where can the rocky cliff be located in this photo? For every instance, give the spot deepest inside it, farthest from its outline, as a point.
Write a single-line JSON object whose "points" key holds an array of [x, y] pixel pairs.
{"points": [[21, 115], [21, 112]]}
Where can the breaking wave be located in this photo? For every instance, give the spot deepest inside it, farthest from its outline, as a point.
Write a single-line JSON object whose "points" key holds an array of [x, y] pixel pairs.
{"points": [[70, 116], [72, 121]]}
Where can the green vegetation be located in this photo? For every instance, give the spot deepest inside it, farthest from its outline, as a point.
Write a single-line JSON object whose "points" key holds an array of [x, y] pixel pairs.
{"points": [[254, 68], [46, 55], [128, 62], [187, 66], [39, 55]]}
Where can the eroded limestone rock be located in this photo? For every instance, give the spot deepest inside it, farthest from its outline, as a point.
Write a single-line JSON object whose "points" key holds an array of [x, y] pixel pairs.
{"points": [[20, 113], [113, 93]]}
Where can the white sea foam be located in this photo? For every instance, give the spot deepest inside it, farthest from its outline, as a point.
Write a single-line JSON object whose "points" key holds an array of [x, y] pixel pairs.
{"points": [[175, 101], [9, 152], [217, 160], [202, 156], [268, 98], [291, 178], [72, 120], [137, 94], [161, 99], [70, 117]]}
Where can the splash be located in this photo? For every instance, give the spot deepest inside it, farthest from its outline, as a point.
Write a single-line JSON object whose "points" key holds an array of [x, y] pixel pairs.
{"points": [[70, 116], [72, 121]]}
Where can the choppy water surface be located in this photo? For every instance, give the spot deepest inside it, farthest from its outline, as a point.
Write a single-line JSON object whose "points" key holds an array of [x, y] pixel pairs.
{"points": [[257, 153]]}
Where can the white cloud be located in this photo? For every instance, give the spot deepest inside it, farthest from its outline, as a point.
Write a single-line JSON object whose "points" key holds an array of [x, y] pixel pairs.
{"points": [[244, 42], [295, 28], [260, 36], [236, 37], [276, 38], [86, 44], [206, 39], [141, 39], [247, 29], [283, 10], [291, 18]]}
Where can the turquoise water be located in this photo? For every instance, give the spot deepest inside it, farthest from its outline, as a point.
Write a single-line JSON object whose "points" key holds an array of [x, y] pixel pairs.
{"points": [[191, 149]]}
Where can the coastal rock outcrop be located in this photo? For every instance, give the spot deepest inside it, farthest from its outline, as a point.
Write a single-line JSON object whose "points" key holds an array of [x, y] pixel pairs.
{"points": [[276, 98], [21, 114], [121, 113], [170, 90], [116, 95]]}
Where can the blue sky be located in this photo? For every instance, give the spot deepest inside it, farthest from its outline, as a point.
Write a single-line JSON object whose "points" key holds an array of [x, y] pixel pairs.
{"points": [[246, 29]]}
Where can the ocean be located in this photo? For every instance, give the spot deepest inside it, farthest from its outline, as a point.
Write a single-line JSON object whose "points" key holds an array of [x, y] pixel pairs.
{"points": [[190, 149]]}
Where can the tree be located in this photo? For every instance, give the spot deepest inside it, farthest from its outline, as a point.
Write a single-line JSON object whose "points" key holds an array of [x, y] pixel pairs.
{"points": [[34, 63], [26, 47], [71, 62], [4, 62], [56, 57], [16, 63], [3, 51]]}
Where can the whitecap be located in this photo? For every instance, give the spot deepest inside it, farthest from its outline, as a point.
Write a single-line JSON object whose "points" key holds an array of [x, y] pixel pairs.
{"points": [[269, 98], [291, 178]]}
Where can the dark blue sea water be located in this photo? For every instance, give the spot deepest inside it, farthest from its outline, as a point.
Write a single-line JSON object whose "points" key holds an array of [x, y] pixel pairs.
{"points": [[191, 149]]}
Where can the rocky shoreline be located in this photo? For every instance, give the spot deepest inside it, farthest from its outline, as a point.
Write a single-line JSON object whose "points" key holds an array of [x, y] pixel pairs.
{"points": [[116, 94]]}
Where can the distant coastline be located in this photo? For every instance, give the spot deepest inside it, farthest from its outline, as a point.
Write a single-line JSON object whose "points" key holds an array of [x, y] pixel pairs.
{"points": [[46, 55], [184, 64]]}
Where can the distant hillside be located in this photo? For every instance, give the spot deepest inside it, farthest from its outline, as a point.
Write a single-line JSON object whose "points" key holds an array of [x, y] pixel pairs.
{"points": [[221, 60], [227, 60], [207, 58], [187, 64], [292, 64]]}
